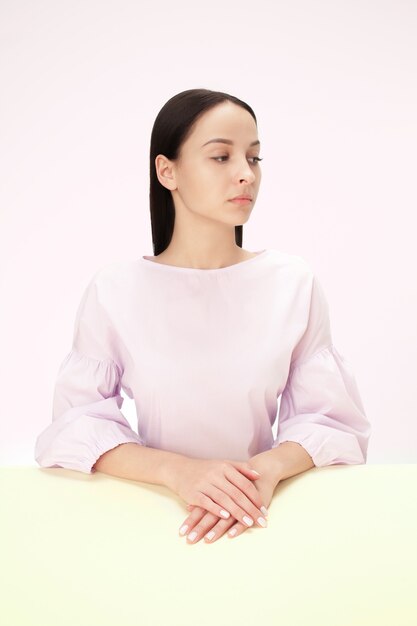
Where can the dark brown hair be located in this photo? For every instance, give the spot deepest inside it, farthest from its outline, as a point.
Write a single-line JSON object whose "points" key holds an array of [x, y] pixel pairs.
{"points": [[172, 126]]}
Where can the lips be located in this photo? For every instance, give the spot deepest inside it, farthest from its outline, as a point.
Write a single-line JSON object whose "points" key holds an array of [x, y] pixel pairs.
{"points": [[242, 198]]}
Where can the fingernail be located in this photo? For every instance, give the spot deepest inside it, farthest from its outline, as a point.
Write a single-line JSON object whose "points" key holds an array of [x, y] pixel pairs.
{"points": [[224, 514], [192, 535], [264, 510], [248, 521], [262, 522], [232, 532], [210, 535], [183, 529], [255, 472]]}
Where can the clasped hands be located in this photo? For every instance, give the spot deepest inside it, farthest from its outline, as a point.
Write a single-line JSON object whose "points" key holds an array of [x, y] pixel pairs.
{"points": [[215, 488]]}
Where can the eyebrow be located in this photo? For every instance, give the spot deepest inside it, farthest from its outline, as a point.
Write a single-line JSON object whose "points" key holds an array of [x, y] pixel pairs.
{"points": [[228, 141]]}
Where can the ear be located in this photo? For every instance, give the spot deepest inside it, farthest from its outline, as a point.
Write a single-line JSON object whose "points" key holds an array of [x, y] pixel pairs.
{"points": [[164, 171]]}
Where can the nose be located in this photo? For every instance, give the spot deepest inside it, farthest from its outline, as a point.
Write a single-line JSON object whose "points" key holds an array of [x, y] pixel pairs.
{"points": [[246, 173]]}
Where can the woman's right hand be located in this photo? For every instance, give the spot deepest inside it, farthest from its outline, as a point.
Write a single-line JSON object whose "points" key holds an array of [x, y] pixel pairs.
{"points": [[220, 485]]}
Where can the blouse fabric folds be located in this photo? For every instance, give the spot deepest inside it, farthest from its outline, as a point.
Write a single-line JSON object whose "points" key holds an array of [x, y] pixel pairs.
{"points": [[206, 354]]}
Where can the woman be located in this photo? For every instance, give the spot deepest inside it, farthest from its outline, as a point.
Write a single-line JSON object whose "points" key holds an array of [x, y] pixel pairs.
{"points": [[205, 336]]}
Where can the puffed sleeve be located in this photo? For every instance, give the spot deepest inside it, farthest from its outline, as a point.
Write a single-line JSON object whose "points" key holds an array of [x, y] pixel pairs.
{"points": [[86, 416], [321, 408]]}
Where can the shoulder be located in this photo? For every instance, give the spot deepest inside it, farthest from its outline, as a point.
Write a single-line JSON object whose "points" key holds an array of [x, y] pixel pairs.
{"points": [[304, 279], [114, 272], [294, 264], [108, 281]]}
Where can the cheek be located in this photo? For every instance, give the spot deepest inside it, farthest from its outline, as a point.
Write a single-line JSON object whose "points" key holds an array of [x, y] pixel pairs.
{"points": [[205, 187], [209, 186], [199, 179], [191, 185]]}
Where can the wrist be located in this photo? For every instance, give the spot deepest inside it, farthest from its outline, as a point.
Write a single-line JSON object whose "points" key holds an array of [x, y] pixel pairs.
{"points": [[268, 466], [171, 469], [288, 459]]}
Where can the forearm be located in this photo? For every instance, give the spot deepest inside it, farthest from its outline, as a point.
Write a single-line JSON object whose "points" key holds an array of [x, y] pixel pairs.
{"points": [[286, 460], [141, 463]]}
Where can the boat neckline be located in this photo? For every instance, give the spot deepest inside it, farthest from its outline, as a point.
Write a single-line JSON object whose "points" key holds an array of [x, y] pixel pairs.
{"points": [[146, 260]]}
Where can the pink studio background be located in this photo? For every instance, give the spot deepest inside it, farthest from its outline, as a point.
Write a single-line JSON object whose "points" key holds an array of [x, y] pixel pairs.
{"points": [[333, 85]]}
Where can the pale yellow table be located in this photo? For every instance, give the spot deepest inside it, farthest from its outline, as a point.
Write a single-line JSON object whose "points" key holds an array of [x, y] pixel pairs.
{"points": [[94, 550]]}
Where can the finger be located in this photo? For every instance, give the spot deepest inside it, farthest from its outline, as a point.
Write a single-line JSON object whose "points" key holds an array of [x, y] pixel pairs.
{"points": [[237, 504], [245, 468], [228, 498], [204, 525], [236, 530], [219, 529], [194, 518], [191, 507], [248, 489]]}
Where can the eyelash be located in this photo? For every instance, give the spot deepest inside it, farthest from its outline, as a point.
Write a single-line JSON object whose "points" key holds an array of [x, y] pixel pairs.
{"points": [[225, 157]]}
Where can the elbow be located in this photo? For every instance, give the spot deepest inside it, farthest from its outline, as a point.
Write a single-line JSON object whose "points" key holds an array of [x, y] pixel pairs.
{"points": [[341, 449], [51, 457]]}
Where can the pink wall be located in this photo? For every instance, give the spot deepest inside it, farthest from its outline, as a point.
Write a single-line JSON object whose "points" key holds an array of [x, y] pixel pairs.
{"points": [[334, 92]]}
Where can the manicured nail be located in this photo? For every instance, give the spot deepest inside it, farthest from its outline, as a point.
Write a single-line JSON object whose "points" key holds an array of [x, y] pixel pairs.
{"points": [[262, 522], [255, 472], [232, 532], [248, 521], [183, 529], [264, 510], [225, 514], [192, 535], [210, 535]]}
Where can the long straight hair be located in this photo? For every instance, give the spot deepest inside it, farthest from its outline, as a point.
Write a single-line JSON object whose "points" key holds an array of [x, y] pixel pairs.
{"points": [[173, 125]]}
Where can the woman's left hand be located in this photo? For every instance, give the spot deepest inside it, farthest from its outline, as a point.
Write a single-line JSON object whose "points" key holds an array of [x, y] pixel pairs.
{"points": [[203, 523]]}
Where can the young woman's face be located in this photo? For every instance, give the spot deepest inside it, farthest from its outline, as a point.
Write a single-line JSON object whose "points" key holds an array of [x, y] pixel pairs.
{"points": [[209, 174]]}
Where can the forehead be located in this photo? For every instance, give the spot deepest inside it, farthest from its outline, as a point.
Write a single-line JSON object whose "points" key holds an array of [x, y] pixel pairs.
{"points": [[226, 120]]}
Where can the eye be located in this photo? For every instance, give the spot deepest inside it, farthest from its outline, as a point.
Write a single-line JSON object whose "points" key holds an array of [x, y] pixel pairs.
{"points": [[256, 159]]}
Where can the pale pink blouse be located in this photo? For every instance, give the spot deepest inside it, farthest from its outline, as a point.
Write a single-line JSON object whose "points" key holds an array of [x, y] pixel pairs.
{"points": [[206, 354]]}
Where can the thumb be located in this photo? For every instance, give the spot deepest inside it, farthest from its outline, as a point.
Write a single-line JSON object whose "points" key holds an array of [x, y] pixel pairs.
{"points": [[246, 469]]}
